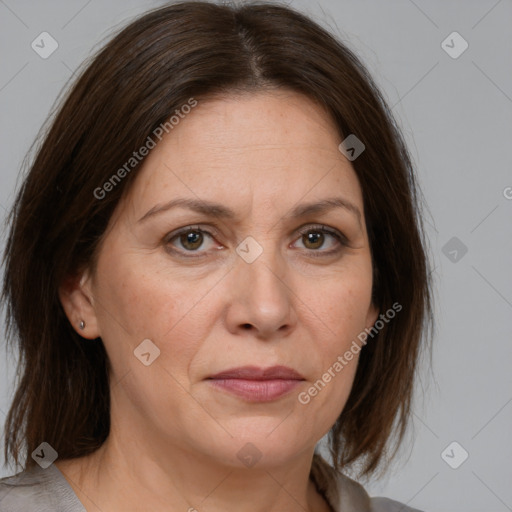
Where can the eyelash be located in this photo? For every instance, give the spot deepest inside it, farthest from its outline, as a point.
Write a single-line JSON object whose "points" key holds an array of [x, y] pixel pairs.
{"points": [[315, 228]]}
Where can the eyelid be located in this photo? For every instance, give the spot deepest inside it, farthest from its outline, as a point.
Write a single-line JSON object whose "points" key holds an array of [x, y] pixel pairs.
{"points": [[342, 240], [321, 227], [211, 232], [190, 227]]}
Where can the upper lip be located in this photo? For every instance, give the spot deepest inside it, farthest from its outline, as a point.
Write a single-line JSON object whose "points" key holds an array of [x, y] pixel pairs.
{"points": [[256, 373]]}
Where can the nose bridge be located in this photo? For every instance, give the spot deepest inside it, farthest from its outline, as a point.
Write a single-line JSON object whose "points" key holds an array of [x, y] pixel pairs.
{"points": [[265, 267], [263, 298]]}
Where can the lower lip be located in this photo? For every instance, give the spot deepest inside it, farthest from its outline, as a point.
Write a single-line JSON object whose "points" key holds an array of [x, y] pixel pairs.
{"points": [[257, 390]]}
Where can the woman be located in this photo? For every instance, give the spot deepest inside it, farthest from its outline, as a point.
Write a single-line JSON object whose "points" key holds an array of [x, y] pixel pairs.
{"points": [[215, 259]]}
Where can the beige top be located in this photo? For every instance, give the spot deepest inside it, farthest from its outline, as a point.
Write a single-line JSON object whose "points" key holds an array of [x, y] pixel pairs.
{"points": [[46, 490], [346, 495]]}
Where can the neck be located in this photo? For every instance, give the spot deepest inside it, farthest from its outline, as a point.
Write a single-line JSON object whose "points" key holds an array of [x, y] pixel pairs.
{"points": [[123, 475]]}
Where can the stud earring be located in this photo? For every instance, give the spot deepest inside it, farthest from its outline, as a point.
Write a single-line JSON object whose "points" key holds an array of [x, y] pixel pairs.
{"points": [[82, 325]]}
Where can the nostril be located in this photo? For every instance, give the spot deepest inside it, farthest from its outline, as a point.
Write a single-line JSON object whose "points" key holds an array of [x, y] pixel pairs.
{"points": [[247, 326]]}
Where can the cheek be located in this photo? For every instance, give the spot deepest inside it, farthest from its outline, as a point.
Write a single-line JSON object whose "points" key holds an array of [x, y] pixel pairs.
{"points": [[147, 305], [340, 305], [323, 400], [135, 304], [340, 309]]}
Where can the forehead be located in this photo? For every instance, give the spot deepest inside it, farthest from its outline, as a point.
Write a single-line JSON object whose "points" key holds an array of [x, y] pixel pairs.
{"points": [[273, 148], [258, 123]]}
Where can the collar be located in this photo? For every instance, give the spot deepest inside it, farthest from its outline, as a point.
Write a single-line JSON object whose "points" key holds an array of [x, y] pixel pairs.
{"points": [[341, 492]]}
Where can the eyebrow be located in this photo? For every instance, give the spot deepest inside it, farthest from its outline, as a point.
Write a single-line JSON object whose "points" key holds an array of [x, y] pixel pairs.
{"points": [[220, 211]]}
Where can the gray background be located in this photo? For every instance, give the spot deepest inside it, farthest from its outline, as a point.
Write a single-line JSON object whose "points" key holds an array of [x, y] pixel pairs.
{"points": [[457, 117]]}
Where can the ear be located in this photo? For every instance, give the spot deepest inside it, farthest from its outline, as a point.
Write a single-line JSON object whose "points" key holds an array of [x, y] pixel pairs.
{"points": [[371, 317], [78, 302]]}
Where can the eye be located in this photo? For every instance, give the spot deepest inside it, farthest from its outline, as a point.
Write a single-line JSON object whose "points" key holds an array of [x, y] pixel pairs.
{"points": [[190, 239], [314, 238]]}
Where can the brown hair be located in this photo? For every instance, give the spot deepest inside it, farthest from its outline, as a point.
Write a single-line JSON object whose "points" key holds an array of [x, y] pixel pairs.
{"points": [[146, 72]]}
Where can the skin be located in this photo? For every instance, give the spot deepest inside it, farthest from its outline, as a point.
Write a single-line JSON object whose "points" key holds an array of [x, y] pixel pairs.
{"points": [[174, 437]]}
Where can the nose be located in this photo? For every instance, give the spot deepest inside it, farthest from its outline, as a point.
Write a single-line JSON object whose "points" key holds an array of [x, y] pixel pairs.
{"points": [[261, 298]]}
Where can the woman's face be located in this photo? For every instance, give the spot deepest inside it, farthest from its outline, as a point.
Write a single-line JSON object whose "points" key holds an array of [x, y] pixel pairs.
{"points": [[251, 282]]}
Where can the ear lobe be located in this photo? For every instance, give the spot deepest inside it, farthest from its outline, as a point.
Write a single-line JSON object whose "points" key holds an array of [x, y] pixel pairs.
{"points": [[373, 314], [78, 304]]}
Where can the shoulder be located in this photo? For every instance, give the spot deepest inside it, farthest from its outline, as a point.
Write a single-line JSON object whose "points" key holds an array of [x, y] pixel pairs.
{"points": [[359, 499], [26, 491], [387, 505], [37, 490], [347, 495]]}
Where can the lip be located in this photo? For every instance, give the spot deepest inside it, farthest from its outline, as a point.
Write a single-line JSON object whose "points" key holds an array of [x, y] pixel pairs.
{"points": [[256, 384], [256, 373]]}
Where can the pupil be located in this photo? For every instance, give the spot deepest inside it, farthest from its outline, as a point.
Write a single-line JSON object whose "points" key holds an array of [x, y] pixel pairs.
{"points": [[193, 240], [314, 238]]}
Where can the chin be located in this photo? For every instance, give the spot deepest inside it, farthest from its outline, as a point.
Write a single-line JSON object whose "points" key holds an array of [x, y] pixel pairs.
{"points": [[266, 444]]}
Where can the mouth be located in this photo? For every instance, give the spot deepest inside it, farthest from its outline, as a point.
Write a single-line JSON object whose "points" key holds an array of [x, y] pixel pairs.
{"points": [[256, 384]]}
